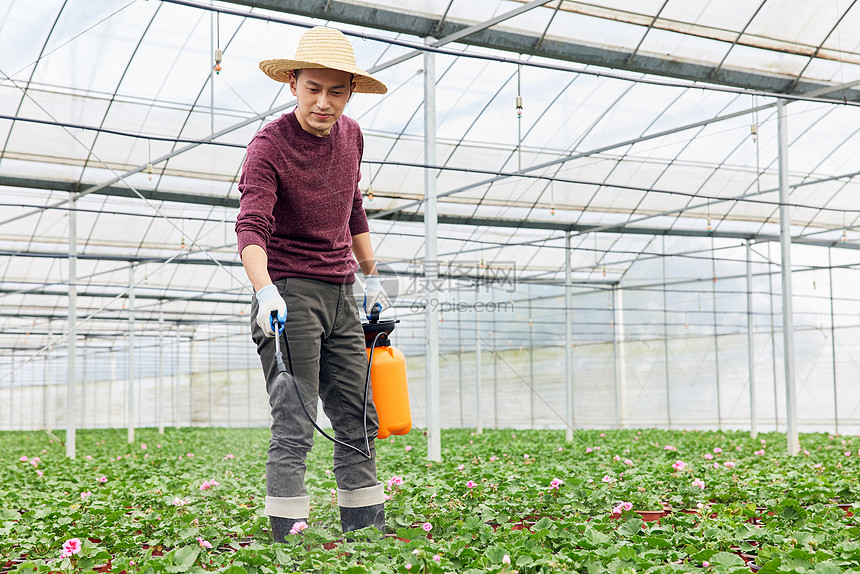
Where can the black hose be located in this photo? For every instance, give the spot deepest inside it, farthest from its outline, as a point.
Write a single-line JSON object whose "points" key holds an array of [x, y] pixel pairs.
{"points": [[279, 360]]}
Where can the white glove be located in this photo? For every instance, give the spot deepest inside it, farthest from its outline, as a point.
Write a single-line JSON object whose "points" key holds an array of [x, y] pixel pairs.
{"points": [[269, 299], [374, 294]]}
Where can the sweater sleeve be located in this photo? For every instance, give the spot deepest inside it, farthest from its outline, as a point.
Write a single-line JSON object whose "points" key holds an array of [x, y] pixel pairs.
{"points": [[358, 218], [258, 187]]}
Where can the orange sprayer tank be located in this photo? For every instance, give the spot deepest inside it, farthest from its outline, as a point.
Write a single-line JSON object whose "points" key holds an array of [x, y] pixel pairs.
{"points": [[388, 380]]}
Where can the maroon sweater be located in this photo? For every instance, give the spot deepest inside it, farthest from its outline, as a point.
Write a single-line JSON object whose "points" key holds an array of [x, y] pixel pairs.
{"points": [[300, 200]]}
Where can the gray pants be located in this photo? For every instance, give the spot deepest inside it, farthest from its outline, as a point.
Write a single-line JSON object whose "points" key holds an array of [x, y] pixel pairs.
{"points": [[329, 361]]}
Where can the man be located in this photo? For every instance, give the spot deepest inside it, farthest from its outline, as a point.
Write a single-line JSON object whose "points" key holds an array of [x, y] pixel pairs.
{"points": [[301, 222]]}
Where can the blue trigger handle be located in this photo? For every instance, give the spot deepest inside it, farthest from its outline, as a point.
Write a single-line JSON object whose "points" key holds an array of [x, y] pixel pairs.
{"points": [[277, 322]]}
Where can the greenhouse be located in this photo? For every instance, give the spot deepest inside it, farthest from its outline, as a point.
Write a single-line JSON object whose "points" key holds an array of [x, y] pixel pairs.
{"points": [[618, 238]]}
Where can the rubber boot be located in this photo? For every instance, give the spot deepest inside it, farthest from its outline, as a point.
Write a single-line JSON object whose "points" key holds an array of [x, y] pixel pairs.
{"points": [[362, 517], [281, 527]]}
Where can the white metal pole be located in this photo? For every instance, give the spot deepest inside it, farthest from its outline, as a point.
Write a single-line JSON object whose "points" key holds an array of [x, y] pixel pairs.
{"points": [[619, 357], [787, 315], [129, 397], [750, 343], [49, 387], [568, 343], [159, 402], [73, 327], [431, 269], [833, 340], [479, 423]]}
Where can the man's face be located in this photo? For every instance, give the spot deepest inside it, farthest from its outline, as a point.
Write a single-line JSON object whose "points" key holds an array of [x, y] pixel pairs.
{"points": [[322, 95]]}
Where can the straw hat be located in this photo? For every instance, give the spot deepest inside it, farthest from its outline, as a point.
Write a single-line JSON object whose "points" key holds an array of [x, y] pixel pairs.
{"points": [[322, 47]]}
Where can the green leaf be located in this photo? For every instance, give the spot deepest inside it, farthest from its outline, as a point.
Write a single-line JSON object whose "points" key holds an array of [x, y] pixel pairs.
{"points": [[631, 527], [543, 523], [726, 559], [9, 514], [657, 542], [495, 555], [185, 557]]}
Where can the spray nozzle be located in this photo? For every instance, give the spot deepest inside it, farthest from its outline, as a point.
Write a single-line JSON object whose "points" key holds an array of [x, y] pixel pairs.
{"points": [[374, 313]]}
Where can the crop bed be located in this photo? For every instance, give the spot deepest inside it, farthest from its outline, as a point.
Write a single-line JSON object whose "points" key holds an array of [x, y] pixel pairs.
{"points": [[190, 500]]}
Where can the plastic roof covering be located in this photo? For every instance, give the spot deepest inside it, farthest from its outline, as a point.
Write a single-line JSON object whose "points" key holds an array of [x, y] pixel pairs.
{"points": [[90, 90]]}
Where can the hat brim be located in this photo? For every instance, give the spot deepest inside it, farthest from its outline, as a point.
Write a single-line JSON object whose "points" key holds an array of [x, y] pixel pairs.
{"points": [[281, 70]]}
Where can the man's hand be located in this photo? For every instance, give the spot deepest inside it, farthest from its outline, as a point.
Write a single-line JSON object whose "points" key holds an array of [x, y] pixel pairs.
{"points": [[374, 294], [269, 299]]}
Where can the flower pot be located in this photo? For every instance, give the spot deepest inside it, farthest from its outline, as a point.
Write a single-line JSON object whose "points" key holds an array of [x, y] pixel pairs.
{"points": [[650, 515]]}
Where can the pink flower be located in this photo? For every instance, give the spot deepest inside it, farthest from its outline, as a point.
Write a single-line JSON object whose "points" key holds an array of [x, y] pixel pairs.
{"points": [[23, 459], [40, 473], [408, 566], [628, 461], [206, 485], [816, 465], [89, 457], [143, 445], [180, 501], [737, 448], [190, 455], [394, 481], [427, 527], [587, 450], [847, 453], [408, 448], [718, 450], [71, 547], [204, 543], [716, 465], [506, 559], [706, 564], [461, 467], [525, 457], [670, 447], [386, 497], [229, 456], [616, 458], [759, 452], [729, 464], [698, 483], [607, 479], [493, 458], [437, 558], [298, 527], [555, 483], [679, 465], [763, 441], [119, 458], [623, 506], [102, 479], [708, 456], [36, 459], [470, 484]]}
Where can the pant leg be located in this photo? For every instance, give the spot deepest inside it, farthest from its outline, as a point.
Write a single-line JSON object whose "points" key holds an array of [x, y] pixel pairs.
{"points": [[343, 371], [292, 431]]}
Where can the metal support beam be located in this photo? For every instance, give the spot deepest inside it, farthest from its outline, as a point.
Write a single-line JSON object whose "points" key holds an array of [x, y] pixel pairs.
{"points": [[787, 313], [159, 401], [413, 23], [431, 271], [129, 397], [568, 343], [49, 382], [479, 422], [833, 342], [73, 329], [750, 343], [618, 355], [666, 338]]}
